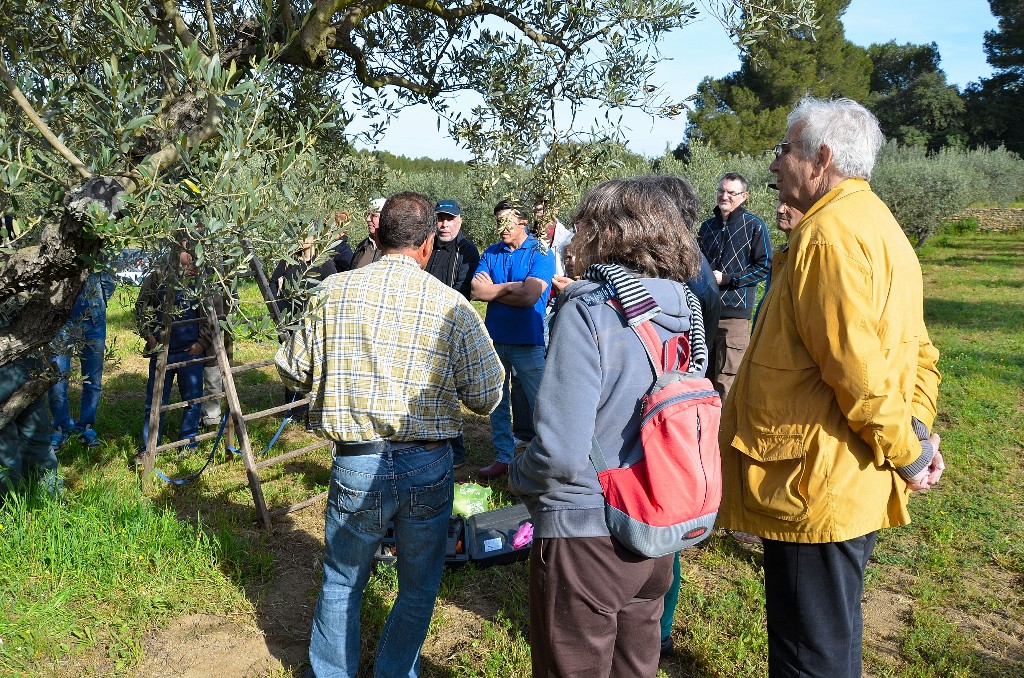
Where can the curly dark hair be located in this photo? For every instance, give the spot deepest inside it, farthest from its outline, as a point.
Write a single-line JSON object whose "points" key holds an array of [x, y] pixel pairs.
{"points": [[636, 224]]}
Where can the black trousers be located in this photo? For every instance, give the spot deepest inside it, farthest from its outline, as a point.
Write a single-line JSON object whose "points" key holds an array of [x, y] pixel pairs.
{"points": [[813, 603]]}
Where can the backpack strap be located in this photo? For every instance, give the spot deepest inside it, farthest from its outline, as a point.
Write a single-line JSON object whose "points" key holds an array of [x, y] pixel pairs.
{"points": [[665, 356]]}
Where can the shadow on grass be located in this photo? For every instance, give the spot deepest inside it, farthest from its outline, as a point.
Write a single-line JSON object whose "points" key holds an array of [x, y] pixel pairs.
{"points": [[962, 260], [981, 316], [281, 572]]}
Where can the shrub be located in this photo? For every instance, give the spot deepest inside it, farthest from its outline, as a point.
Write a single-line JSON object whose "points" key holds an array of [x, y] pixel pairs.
{"points": [[923, 190]]}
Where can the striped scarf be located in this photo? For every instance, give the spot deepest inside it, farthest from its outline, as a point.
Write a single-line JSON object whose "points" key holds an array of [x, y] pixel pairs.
{"points": [[639, 306]]}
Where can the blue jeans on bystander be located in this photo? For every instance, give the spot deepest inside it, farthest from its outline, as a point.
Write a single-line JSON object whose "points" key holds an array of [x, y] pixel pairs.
{"points": [[528, 363], [414, 487], [88, 342], [190, 385], [26, 455]]}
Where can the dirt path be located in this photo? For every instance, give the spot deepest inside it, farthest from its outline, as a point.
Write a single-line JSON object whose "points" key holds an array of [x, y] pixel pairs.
{"points": [[200, 646]]}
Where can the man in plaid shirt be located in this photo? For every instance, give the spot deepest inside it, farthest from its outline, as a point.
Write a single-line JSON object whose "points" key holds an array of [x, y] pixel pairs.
{"points": [[739, 248], [388, 351]]}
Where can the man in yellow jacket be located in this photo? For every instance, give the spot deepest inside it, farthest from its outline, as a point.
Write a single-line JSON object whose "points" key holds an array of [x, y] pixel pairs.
{"points": [[828, 426]]}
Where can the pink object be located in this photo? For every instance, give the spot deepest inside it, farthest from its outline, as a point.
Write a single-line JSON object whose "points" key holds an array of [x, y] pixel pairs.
{"points": [[523, 536]]}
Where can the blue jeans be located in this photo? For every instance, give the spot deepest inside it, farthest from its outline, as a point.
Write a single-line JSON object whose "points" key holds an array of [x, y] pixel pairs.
{"points": [[458, 450], [522, 413], [88, 337], [25, 452], [528, 363], [414, 487], [190, 385]]}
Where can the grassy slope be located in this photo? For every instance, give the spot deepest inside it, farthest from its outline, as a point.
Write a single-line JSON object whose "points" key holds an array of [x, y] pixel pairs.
{"points": [[95, 572]]}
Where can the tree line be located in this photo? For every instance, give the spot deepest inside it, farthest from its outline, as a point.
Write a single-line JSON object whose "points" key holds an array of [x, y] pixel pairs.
{"points": [[903, 85]]}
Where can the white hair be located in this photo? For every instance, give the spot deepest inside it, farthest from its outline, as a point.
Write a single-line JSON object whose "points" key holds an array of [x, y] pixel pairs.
{"points": [[849, 130]]}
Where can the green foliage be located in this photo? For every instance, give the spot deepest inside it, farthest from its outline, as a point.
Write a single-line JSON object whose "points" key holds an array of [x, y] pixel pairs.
{"points": [[923, 190], [960, 227], [704, 169], [98, 568], [994, 104], [911, 99], [745, 112], [401, 163], [894, 67], [225, 122]]}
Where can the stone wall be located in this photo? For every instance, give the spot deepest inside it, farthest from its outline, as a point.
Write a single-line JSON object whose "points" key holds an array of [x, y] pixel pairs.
{"points": [[995, 219]]}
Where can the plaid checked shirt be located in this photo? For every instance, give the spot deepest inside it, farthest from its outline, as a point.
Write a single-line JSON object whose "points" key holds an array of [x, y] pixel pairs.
{"points": [[387, 352]]}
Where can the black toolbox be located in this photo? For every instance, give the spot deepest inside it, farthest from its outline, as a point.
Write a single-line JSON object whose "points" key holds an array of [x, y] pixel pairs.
{"points": [[484, 538], [456, 553], [490, 536]]}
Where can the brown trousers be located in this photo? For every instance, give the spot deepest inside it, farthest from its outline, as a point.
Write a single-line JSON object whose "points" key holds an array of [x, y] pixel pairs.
{"points": [[595, 609], [731, 343]]}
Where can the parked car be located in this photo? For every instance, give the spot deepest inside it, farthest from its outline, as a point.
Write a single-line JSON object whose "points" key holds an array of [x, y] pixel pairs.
{"points": [[131, 266]]}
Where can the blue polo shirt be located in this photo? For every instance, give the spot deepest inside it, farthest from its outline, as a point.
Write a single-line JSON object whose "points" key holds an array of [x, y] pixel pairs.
{"points": [[517, 324]]}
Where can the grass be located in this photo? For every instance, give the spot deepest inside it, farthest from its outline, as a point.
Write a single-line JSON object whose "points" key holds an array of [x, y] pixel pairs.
{"points": [[86, 578]]}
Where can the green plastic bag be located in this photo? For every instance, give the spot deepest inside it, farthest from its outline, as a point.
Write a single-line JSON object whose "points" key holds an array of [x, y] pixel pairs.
{"points": [[470, 499]]}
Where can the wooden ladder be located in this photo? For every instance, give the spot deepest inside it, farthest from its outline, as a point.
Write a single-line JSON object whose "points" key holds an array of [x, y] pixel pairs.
{"points": [[238, 419]]}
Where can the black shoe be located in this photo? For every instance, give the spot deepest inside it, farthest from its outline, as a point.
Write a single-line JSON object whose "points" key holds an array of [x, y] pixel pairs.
{"points": [[667, 648]]}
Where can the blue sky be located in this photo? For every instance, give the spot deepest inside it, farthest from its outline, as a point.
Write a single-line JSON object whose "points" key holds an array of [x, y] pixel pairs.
{"points": [[702, 49]]}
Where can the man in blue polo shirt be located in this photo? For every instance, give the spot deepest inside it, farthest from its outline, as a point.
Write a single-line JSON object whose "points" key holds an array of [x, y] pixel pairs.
{"points": [[512, 278]]}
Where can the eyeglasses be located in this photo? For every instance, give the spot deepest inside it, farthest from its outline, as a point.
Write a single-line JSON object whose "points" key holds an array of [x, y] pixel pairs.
{"points": [[722, 191], [783, 148]]}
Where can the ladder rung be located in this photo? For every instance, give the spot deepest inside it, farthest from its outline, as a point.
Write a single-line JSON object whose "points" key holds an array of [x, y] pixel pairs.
{"points": [[188, 321], [185, 403], [274, 410], [252, 366], [301, 505], [293, 454], [181, 443], [186, 363]]}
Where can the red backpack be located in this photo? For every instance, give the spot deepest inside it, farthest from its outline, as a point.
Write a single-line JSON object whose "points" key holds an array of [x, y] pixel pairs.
{"points": [[668, 499]]}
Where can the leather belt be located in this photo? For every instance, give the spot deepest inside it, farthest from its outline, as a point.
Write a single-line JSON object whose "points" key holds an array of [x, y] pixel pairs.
{"points": [[380, 446]]}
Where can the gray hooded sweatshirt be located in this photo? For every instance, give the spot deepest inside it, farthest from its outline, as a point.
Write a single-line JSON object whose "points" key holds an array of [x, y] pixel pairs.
{"points": [[596, 372]]}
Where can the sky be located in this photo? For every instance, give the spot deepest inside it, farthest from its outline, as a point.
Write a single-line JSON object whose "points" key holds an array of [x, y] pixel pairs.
{"points": [[703, 49]]}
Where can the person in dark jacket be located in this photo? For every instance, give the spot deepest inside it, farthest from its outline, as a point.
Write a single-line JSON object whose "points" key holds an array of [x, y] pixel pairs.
{"points": [[453, 262], [455, 257], [368, 251], [341, 251], [170, 287], [738, 246], [293, 283]]}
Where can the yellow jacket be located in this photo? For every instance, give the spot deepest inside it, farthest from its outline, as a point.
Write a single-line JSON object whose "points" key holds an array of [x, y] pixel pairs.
{"points": [[819, 416]]}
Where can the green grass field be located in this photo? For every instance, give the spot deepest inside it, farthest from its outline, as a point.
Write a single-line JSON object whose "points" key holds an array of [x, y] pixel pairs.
{"points": [[87, 582]]}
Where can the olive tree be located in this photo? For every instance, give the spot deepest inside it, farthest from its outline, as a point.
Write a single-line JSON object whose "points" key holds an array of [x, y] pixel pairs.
{"points": [[223, 121]]}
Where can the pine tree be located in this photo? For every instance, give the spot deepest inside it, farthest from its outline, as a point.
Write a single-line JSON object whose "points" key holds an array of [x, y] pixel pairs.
{"points": [[745, 112], [994, 104], [911, 98]]}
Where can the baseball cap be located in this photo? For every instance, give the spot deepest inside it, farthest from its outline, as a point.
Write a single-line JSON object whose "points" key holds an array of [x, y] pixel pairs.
{"points": [[377, 204], [517, 208], [448, 207]]}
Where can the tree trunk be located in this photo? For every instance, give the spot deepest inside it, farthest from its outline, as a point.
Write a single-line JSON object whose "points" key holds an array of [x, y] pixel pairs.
{"points": [[41, 283]]}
